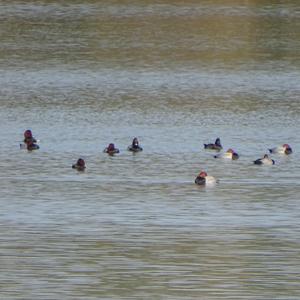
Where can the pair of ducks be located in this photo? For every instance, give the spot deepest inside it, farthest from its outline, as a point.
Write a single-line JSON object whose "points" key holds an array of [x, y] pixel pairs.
{"points": [[204, 179], [134, 147], [110, 150], [284, 149], [230, 153], [266, 160]]}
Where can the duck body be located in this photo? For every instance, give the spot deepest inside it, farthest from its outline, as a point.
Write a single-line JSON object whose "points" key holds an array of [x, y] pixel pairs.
{"points": [[264, 161], [31, 147], [135, 148], [78, 168], [210, 180], [229, 154], [111, 152], [284, 149], [29, 140], [214, 146]]}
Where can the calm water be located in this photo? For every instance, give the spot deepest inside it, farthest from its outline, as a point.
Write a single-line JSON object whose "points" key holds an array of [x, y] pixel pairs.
{"points": [[176, 74]]}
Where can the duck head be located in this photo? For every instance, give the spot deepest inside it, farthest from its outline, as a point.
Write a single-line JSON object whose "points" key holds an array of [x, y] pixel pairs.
{"points": [[202, 174], [81, 163], [218, 142], [28, 134], [287, 149], [111, 147], [135, 142]]}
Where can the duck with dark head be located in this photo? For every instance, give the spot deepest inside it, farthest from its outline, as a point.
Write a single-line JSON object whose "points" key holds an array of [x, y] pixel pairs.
{"points": [[80, 165], [214, 146], [135, 147], [264, 161], [111, 149]]}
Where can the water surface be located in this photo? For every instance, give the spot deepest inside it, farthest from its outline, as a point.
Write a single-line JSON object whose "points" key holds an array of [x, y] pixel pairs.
{"points": [[176, 74]]}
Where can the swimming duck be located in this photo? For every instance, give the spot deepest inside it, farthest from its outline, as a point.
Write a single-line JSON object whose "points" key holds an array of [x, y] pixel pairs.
{"points": [[216, 146], [135, 147], [284, 149], [231, 154], [80, 165], [204, 179], [29, 141], [111, 150], [264, 161]]}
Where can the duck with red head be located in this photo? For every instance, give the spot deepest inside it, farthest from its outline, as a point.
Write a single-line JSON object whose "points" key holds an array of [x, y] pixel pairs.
{"points": [[214, 146], [27, 134], [30, 141], [111, 149], [264, 161], [204, 179], [135, 147], [284, 149], [229, 154], [80, 165]]}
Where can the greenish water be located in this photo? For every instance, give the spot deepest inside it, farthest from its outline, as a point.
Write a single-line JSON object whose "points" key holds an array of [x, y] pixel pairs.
{"points": [[176, 74]]}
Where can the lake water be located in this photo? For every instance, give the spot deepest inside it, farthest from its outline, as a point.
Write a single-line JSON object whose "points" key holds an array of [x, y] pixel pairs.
{"points": [[176, 74]]}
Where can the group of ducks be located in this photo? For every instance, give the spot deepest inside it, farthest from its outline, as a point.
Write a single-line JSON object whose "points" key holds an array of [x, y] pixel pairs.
{"points": [[30, 143], [203, 178], [110, 150], [134, 147]]}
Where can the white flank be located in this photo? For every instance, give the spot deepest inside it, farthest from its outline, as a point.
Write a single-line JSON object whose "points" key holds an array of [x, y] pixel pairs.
{"points": [[267, 161], [210, 180]]}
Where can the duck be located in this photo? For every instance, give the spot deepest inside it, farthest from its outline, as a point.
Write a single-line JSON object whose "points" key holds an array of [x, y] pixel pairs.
{"points": [[284, 149], [80, 165], [264, 161], [230, 154], [204, 179], [216, 146], [29, 141], [111, 149], [135, 147]]}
